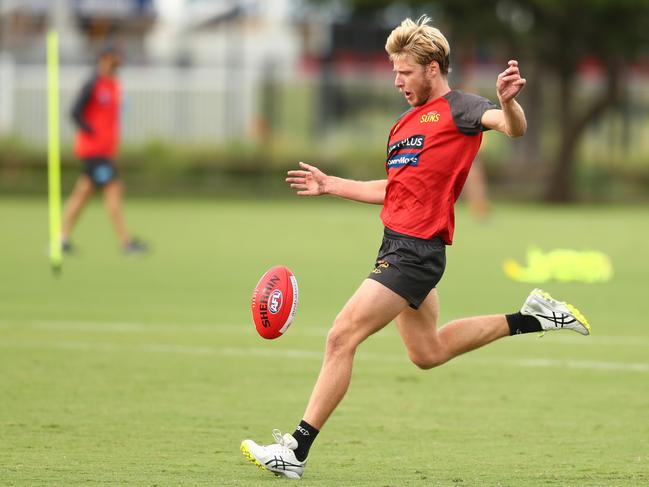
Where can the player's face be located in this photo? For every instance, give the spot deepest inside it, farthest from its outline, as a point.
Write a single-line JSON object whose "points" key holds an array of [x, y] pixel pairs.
{"points": [[109, 62], [115, 61], [413, 80]]}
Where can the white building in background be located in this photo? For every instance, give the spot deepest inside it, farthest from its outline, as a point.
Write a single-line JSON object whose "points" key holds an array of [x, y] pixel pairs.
{"points": [[186, 32], [226, 33], [195, 70], [83, 25]]}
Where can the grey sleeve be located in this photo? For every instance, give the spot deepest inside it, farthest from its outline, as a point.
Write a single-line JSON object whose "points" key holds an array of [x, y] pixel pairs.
{"points": [[467, 110], [80, 104]]}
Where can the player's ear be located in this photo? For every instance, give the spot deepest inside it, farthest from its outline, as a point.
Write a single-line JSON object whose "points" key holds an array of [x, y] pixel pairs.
{"points": [[432, 68]]}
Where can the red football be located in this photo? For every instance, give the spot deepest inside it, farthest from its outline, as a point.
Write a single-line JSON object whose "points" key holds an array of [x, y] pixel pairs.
{"points": [[274, 302]]}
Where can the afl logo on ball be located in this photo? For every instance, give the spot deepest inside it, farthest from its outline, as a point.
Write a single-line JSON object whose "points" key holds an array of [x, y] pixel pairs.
{"points": [[275, 301]]}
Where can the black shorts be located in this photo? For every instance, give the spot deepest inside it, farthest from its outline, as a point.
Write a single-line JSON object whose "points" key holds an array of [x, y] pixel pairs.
{"points": [[100, 170], [409, 266]]}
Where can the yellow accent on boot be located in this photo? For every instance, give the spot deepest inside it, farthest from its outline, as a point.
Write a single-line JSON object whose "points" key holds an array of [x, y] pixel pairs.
{"points": [[573, 309], [250, 457], [580, 316]]}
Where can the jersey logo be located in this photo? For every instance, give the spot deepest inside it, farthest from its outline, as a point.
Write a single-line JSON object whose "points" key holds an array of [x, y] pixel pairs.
{"points": [[430, 117], [412, 142], [404, 159], [104, 96]]}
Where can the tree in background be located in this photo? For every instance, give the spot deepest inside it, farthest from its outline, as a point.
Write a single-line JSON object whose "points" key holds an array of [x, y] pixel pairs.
{"points": [[562, 35], [553, 39]]}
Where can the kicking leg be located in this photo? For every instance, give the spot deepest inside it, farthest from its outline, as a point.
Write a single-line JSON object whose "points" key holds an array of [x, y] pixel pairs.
{"points": [[429, 347]]}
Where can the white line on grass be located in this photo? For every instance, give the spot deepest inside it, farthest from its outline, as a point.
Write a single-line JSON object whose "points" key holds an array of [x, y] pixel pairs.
{"points": [[125, 327], [586, 364], [313, 355], [304, 329]]}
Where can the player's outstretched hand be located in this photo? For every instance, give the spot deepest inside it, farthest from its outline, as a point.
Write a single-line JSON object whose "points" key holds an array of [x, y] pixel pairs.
{"points": [[509, 83], [308, 180]]}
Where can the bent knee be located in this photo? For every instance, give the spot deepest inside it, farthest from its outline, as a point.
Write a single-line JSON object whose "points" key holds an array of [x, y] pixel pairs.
{"points": [[428, 361]]}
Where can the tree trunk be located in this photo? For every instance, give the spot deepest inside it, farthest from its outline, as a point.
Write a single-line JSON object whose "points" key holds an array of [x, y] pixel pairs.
{"points": [[560, 184], [561, 188]]}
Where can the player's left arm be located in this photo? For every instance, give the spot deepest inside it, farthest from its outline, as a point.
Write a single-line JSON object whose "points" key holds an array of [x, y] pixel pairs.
{"points": [[510, 118]]}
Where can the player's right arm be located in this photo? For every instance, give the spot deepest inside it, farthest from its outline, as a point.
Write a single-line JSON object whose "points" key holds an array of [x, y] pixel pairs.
{"points": [[311, 181]]}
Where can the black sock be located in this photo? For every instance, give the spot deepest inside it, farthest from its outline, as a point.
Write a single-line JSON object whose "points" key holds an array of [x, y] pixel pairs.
{"points": [[305, 435], [519, 323]]}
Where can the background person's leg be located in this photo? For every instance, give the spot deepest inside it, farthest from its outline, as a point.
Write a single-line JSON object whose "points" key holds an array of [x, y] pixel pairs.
{"points": [[83, 190], [113, 191], [475, 191]]}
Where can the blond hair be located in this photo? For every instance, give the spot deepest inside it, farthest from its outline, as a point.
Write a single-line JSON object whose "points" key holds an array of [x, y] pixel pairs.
{"points": [[424, 42]]}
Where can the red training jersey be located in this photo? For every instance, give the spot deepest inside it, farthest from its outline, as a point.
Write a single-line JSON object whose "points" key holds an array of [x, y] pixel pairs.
{"points": [[96, 113], [429, 154]]}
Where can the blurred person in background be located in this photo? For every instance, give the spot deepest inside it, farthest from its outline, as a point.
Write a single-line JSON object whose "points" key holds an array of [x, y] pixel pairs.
{"points": [[430, 151], [96, 113], [475, 191]]}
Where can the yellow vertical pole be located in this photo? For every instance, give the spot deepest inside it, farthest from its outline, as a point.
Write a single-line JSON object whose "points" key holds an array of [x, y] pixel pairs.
{"points": [[53, 151]]}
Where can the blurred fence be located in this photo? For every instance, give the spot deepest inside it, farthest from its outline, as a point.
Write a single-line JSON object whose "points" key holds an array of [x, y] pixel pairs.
{"points": [[215, 105], [210, 105], [180, 105], [341, 116]]}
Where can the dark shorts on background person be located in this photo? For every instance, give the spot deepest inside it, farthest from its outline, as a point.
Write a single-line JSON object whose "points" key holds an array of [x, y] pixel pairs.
{"points": [[100, 170], [409, 266]]}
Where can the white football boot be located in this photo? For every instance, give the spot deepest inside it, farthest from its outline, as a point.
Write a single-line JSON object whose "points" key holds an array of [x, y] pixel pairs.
{"points": [[553, 314], [279, 458]]}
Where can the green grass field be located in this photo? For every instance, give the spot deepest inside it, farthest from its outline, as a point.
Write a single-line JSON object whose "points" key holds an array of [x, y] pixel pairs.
{"points": [[149, 372]]}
